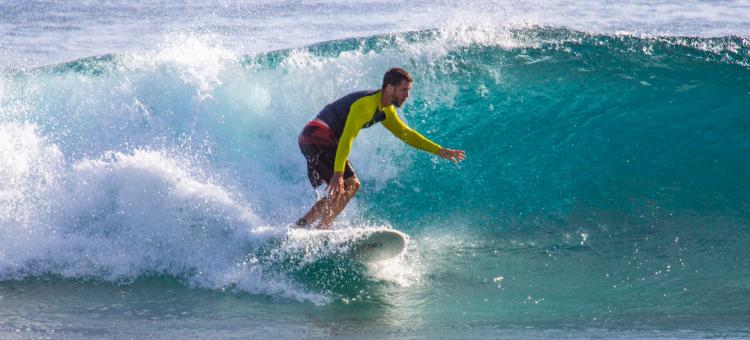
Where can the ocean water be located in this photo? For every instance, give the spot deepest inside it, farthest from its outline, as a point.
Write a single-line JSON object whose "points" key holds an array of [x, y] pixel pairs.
{"points": [[149, 168]]}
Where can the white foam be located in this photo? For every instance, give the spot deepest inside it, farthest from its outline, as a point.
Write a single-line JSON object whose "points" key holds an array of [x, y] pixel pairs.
{"points": [[29, 173], [125, 215]]}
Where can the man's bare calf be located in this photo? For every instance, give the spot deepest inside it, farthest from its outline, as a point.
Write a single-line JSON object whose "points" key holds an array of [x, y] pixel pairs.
{"points": [[327, 208]]}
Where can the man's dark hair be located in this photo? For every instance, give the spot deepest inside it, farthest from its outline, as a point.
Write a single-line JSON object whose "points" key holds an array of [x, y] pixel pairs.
{"points": [[395, 76]]}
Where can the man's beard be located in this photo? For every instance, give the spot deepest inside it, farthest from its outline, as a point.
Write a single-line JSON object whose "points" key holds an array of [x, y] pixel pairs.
{"points": [[397, 102]]}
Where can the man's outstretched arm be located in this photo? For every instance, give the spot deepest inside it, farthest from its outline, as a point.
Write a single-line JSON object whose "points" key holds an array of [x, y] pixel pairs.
{"points": [[413, 138]]}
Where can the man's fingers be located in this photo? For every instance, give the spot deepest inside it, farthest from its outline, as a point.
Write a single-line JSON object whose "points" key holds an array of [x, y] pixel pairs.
{"points": [[453, 155], [458, 155], [335, 190]]}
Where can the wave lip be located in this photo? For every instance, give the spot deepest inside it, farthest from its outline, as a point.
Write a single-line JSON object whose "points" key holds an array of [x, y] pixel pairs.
{"points": [[259, 27]]}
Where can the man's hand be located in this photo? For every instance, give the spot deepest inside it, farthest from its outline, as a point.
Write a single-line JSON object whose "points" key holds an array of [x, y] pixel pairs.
{"points": [[453, 155], [336, 185]]}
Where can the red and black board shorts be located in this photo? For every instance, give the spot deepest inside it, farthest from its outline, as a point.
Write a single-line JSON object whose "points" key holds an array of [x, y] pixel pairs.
{"points": [[318, 145]]}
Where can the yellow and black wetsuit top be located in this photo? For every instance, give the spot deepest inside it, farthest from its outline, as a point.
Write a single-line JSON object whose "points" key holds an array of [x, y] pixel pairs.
{"points": [[359, 110]]}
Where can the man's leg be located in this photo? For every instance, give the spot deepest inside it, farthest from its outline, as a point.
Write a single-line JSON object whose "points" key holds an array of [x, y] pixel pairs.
{"points": [[330, 208], [333, 207], [315, 212]]}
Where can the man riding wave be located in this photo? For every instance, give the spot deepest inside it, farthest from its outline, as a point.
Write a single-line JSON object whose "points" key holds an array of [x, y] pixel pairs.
{"points": [[327, 140]]}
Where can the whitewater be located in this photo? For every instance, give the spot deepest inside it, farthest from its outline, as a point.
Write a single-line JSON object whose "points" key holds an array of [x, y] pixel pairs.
{"points": [[150, 168]]}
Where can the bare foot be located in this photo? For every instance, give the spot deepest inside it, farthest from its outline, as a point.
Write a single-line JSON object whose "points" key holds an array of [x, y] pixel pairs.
{"points": [[301, 223]]}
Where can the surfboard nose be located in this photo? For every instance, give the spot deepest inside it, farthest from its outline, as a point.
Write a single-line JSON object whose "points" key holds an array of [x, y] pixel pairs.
{"points": [[378, 246]]}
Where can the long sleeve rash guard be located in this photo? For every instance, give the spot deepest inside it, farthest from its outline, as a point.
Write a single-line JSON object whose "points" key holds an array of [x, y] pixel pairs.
{"points": [[355, 111]]}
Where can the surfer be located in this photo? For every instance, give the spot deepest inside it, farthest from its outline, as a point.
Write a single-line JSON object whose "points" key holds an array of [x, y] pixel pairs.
{"points": [[326, 141]]}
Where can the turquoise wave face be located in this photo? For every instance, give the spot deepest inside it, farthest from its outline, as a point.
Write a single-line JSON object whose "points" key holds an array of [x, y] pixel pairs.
{"points": [[602, 170], [581, 128]]}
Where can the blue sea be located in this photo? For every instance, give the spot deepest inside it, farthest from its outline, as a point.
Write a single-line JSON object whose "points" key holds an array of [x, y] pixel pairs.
{"points": [[149, 168]]}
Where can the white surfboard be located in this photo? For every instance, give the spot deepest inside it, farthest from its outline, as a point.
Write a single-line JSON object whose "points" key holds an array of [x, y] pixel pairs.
{"points": [[378, 246], [360, 244]]}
